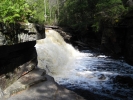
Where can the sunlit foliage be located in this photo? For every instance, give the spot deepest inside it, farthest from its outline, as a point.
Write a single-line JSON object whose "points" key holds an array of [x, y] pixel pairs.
{"points": [[79, 14], [14, 11]]}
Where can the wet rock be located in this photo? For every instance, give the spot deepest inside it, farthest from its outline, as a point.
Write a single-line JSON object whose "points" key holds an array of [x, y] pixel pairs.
{"points": [[65, 33], [125, 80], [40, 30], [101, 77]]}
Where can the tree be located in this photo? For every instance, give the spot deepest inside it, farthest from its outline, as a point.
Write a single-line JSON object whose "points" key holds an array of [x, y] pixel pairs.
{"points": [[109, 12], [38, 7], [82, 13], [45, 11], [14, 11], [74, 14]]}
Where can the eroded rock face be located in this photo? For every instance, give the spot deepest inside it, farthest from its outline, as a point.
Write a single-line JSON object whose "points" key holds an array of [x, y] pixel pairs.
{"points": [[15, 61], [17, 52], [20, 32]]}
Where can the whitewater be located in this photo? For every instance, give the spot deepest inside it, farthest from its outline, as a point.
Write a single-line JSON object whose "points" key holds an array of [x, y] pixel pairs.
{"points": [[82, 70]]}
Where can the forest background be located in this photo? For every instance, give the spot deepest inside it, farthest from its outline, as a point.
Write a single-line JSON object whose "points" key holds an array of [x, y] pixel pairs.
{"points": [[100, 17]]}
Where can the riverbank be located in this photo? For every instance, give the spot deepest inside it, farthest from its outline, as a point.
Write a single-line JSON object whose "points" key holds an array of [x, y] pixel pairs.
{"points": [[46, 89]]}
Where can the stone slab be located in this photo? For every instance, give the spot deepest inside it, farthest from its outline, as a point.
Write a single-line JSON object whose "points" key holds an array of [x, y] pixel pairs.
{"points": [[47, 90], [25, 82], [10, 77]]}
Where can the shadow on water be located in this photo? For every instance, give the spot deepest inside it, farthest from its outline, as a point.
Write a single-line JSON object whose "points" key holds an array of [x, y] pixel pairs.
{"points": [[88, 95], [113, 78]]}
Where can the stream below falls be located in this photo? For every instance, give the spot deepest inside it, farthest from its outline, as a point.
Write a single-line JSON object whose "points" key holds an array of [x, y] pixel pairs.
{"points": [[91, 75]]}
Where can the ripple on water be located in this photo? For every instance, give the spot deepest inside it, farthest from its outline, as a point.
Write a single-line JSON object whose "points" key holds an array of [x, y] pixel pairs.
{"points": [[86, 72], [101, 75]]}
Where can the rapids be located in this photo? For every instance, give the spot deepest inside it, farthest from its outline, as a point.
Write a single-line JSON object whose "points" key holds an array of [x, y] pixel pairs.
{"points": [[76, 70], [54, 54]]}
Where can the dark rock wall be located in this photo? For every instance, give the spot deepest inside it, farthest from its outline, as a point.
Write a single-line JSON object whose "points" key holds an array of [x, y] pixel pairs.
{"points": [[129, 45], [120, 44], [15, 60], [17, 52]]}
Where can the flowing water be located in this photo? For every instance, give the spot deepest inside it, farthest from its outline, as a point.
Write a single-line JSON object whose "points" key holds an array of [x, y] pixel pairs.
{"points": [[111, 79]]}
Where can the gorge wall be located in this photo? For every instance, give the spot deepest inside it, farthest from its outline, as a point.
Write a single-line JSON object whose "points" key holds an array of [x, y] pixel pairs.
{"points": [[18, 55]]}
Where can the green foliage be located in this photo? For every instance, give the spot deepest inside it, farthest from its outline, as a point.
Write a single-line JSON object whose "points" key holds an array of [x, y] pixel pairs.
{"points": [[38, 7], [109, 12], [12, 11], [44, 11], [75, 14], [36, 11], [80, 14]]}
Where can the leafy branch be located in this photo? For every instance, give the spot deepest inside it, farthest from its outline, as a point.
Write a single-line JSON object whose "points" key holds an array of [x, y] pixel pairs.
{"points": [[12, 11]]}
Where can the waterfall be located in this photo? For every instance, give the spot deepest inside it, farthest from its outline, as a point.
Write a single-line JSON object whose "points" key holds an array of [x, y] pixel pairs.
{"points": [[54, 53], [1, 93], [75, 70]]}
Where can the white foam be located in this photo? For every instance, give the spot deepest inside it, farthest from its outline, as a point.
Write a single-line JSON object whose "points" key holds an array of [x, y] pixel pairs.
{"points": [[54, 53], [68, 65]]}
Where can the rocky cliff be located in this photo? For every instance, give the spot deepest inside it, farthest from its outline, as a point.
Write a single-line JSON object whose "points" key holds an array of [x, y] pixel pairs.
{"points": [[17, 52]]}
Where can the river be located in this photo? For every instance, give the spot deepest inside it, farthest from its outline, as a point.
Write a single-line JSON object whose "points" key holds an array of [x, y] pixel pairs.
{"points": [[87, 73]]}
